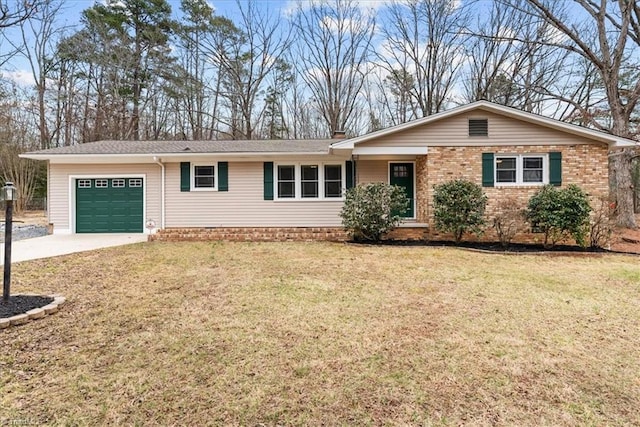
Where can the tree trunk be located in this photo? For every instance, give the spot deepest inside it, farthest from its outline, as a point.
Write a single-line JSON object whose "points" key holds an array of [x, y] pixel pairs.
{"points": [[621, 186]]}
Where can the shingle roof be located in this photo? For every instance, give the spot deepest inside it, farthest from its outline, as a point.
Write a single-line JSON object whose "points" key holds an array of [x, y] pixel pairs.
{"points": [[176, 147]]}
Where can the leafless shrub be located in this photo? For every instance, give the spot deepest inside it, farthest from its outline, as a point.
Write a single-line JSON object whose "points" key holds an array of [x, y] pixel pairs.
{"points": [[602, 222], [508, 220]]}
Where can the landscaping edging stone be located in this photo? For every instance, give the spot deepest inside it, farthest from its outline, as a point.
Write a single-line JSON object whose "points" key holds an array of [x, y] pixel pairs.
{"points": [[34, 314]]}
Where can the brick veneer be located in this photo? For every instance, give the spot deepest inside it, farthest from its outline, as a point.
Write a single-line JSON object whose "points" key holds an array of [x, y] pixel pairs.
{"points": [[276, 234], [582, 164], [251, 234]]}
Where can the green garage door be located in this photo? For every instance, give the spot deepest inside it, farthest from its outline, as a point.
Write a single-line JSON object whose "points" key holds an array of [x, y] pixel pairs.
{"points": [[109, 205]]}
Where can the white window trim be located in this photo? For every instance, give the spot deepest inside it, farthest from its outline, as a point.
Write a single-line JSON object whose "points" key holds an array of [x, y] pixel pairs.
{"points": [[216, 176], [520, 170], [298, 181]]}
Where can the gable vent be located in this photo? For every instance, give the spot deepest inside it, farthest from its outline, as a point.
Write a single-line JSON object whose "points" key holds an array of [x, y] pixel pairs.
{"points": [[478, 127]]}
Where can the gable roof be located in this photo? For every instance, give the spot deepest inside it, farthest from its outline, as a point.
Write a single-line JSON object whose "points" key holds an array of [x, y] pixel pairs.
{"points": [[595, 135]]}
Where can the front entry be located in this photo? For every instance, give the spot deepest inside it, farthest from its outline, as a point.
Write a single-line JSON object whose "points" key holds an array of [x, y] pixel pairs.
{"points": [[401, 174]]}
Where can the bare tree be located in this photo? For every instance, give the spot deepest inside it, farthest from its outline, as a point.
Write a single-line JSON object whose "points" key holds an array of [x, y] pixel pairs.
{"points": [[17, 136], [509, 62], [11, 15], [38, 41], [424, 39], [608, 38], [334, 40]]}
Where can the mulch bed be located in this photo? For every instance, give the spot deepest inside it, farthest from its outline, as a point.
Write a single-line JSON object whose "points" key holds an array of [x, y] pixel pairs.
{"points": [[20, 304], [489, 246]]}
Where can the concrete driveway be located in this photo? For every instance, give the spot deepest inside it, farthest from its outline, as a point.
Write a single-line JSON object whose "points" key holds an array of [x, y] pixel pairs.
{"points": [[63, 244]]}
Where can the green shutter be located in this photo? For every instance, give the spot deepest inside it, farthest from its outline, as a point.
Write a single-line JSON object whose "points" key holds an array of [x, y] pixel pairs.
{"points": [[185, 176], [268, 180], [555, 168], [487, 169], [223, 176], [351, 174]]}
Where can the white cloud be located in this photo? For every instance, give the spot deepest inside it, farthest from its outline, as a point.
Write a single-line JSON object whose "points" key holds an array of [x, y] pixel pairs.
{"points": [[22, 78]]}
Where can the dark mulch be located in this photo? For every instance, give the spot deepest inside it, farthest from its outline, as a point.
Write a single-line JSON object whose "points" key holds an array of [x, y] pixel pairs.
{"points": [[20, 304], [487, 246]]}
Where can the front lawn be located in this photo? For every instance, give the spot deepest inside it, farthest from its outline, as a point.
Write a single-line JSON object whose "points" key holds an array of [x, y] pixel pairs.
{"points": [[322, 333]]}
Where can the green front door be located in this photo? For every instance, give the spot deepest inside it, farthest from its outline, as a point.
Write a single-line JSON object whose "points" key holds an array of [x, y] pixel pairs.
{"points": [[109, 205], [401, 174]]}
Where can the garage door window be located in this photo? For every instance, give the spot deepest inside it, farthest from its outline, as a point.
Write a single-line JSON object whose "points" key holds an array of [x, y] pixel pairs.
{"points": [[102, 183], [118, 183], [84, 183], [137, 182]]}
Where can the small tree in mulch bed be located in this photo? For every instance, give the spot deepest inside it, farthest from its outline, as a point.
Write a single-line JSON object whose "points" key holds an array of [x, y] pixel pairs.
{"points": [[459, 207], [559, 214], [372, 210]]}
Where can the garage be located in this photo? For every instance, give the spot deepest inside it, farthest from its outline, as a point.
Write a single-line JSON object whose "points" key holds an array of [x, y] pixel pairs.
{"points": [[109, 205]]}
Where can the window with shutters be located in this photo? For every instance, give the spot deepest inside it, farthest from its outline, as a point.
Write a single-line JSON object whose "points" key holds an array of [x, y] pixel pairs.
{"points": [[203, 176], [526, 169], [305, 181]]}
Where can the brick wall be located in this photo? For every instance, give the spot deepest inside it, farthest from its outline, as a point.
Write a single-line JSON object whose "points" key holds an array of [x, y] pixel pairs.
{"points": [[585, 165], [248, 234]]}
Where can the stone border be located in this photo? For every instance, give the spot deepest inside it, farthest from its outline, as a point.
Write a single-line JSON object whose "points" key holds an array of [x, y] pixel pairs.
{"points": [[36, 313]]}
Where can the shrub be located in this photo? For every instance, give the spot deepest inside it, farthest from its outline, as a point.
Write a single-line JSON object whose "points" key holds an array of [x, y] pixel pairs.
{"points": [[372, 210], [560, 213], [459, 207], [601, 223], [508, 220]]}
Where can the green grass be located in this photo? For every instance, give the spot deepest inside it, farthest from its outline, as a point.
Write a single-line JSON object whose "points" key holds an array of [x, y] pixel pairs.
{"points": [[320, 333]]}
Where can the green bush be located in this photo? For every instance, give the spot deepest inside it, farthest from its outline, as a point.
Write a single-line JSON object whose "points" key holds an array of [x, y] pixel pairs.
{"points": [[372, 210], [459, 207], [560, 213]]}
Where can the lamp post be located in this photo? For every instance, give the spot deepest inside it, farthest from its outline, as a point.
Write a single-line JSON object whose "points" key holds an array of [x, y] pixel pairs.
{"points": [[9, 194]]}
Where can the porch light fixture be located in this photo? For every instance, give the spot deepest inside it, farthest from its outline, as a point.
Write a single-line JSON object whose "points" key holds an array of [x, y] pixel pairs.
{"points": [[9, 195]]}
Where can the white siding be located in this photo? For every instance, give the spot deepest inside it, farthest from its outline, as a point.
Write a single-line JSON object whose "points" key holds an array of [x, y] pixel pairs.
{"points": [[59, 188], [243, 205]]}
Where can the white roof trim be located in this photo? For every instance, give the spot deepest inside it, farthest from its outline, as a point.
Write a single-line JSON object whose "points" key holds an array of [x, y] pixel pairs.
{"points": [[418, 151], [612, 140]]}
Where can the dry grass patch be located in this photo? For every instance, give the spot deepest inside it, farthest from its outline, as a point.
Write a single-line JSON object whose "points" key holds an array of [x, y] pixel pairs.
{"points": [[320, 333]]}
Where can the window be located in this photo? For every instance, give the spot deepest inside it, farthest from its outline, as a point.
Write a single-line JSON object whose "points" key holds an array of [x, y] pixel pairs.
{"points": [[521, 169], [102, 183], [309, 181], [286, 182], [506, 169], [332, 181], [532, 169], [117, 183], [84, 183], [400, 171], [309, 185], [135, 182], [204, 177], [478, 127]]}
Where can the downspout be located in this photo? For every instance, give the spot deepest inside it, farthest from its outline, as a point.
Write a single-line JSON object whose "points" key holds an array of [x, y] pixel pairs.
{"points": [[162, 179]]}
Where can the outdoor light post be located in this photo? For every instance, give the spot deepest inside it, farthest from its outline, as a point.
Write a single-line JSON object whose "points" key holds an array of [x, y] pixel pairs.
{"points": [[9, 194]]}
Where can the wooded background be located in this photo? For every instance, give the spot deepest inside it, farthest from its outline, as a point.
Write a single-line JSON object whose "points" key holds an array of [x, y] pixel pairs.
{"points": [[136, 69]]}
